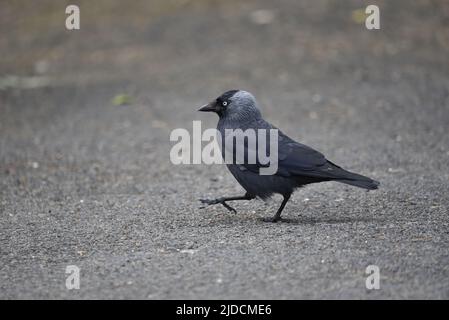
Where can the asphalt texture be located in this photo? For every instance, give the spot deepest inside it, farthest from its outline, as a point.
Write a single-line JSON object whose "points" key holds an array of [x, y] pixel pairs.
{"points": [[86, 178]]}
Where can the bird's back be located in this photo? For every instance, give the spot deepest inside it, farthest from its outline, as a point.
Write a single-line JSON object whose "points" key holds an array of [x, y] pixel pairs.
{"points": [[297, 163]]}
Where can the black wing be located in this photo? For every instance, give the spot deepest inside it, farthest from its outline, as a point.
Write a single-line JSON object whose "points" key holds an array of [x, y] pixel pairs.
{"points": [[294, 159], [297, 159]]}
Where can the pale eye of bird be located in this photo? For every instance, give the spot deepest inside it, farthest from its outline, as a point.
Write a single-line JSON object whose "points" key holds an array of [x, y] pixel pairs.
{"points": [[224, 103]]}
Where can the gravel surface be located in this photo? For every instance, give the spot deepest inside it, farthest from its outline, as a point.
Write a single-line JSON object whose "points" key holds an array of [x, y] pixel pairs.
{"points": [[87, 181]]}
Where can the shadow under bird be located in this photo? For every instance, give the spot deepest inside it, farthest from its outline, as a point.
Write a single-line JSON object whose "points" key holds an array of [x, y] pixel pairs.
{"points": [[297, 164]]}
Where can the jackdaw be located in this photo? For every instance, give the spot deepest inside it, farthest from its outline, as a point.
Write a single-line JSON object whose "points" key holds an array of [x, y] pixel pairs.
{"points": [[297, 164]]}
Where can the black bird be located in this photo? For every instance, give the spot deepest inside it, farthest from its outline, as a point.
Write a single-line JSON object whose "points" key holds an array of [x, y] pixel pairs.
{"points": [[297, 163]]}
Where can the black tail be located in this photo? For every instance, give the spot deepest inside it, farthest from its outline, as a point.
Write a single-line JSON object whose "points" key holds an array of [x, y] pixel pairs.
{"points": [[366, 183], [355, 179]]}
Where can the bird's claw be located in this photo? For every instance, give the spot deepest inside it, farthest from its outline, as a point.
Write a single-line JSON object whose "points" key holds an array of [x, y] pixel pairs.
{"points": [[210, 202], [272, 219], [227, 206]]}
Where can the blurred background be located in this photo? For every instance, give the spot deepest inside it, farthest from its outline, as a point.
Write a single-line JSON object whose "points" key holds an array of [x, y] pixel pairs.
{"points": [[85, 176]]}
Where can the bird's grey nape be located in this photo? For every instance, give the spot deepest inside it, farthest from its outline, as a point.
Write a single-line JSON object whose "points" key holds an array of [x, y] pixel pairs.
{"points": [[243, 107]]}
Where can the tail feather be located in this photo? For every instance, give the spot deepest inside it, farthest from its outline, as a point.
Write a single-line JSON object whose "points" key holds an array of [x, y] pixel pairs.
{"points": [[355, 179], [365, 184]]}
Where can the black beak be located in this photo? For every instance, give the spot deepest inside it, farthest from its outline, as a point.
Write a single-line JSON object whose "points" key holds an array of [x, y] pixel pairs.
{"points": [[212, 106]]}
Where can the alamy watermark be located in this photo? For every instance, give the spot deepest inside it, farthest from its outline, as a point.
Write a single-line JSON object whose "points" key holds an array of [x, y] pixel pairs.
{"points": [[373, 279], [73, 280], [72, 22], [372, 21], [250, 146]]}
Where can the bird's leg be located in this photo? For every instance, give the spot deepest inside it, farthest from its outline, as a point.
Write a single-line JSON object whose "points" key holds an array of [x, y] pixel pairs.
{"points": [[223, 200], [277, 216]]}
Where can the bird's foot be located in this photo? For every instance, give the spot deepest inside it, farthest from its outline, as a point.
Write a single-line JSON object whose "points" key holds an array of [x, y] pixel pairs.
{"points": [[222, 201], [272, 219]]}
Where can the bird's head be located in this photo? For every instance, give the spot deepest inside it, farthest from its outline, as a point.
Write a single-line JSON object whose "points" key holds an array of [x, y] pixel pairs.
{"points": [[234, 104]]}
